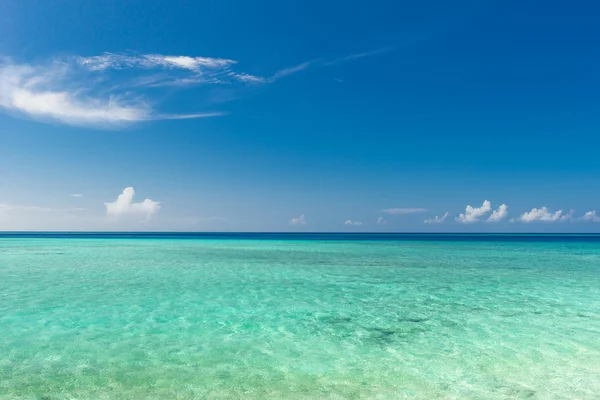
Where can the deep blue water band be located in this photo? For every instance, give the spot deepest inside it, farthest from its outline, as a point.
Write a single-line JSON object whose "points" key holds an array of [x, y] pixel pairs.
{"points": [[447, 237]]}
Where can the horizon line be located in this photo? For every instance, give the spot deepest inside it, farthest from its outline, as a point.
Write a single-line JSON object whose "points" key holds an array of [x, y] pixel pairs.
{"points": [[292, 233]]}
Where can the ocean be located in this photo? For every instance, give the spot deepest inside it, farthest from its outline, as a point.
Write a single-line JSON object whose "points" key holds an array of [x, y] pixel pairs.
{"points": [[299, 316]]}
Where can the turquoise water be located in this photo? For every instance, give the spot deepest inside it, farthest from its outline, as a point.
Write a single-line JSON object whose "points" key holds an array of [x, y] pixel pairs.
{"points": [[299, 319]]}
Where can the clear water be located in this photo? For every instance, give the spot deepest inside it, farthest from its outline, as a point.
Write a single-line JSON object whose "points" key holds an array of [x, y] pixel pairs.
{"points": [[299, 319]]}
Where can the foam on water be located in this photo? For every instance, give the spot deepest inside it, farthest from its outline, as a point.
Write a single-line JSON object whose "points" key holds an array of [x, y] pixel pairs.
{"points": [[260, 319]]}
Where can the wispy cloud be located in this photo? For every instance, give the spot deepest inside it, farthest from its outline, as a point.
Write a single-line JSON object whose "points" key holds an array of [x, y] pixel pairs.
{"points": [[125, 206], [96, 91], [473, 214], [543, 214], [190, 116], [40, 92], [298, 220], [402, 211], [149, 61], [76, 195], [58, 92], [326, 63], [381, 221], [242, 77], [499, 214], [362, 54], [291, 70], [16, 207], [198, 70], [350, 222], [13, 207], [436, 219]]}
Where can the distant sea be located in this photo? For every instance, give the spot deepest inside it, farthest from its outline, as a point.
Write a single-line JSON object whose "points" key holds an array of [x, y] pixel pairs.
{"points": [[299, 316]]}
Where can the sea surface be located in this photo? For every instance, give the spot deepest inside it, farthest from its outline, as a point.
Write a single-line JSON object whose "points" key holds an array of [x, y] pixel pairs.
{"points": [[164, 316]]}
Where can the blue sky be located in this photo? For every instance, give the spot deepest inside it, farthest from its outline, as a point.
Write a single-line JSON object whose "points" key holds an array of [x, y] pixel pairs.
{"points": [[299, 115]]}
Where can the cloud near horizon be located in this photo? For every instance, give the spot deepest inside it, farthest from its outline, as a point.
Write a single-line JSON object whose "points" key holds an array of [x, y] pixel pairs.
{"points": [[543, 214], [499, 214], [350, 222], [474, 214], [436, 219], [298, 220], [591, 216], [124, 206]]}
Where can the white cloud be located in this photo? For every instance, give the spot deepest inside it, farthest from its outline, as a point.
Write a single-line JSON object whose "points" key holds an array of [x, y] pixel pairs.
{"points": [[291, 70], [401, 211], [324, 63], [473, 214], [149, 61], [190, 116], [57, 92], [542, 214], [381, 221], [36, 92], [76, 195], [95, 91], [202, 69], [568, 216], [436, 219], [124, 205], [499, 214], [362, 54], [195, 63], [591, 216], [298, 220], [355, 223], [247, 77]]}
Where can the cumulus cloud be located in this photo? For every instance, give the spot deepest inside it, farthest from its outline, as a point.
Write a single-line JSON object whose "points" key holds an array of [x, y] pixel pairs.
{"points": [[499, 214], [298, 220], [591, 216], [568, 216], [436, 219], [543, 214], [350, 222], [401, 211], [473, 214], [381, 221], [125, 206]]}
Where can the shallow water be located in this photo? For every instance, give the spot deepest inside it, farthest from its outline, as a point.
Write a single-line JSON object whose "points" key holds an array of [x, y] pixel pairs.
{"points": [[300, 319]]}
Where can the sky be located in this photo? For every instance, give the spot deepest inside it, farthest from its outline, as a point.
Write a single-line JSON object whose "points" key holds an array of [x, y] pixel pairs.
{"points": [[229, 115]]}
